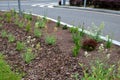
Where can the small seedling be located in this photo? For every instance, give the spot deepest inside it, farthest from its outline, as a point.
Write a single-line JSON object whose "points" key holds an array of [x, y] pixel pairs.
{"points": [[20, 46], [45, 19], [74, 29], [21, 24], [28, 26], [75, 51], [1, 26], [40, 24], [97, 32], [58, 21], [8, 17], [28, 16], [37, 33], [11, 38], [64, 27], [108, 42], [76, 76], [3, 33], [1, 18], [82, 31], [76, 37], [50, 40], [28, 56]]}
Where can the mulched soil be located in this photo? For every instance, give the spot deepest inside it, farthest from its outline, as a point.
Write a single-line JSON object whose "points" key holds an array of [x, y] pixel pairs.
{"points": [[52, 62]]}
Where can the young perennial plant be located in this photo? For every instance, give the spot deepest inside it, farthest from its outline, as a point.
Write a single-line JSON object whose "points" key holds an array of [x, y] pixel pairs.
{"points": [[37, 32], [50, 40], [58, 21], [108, 42], [28, 56], [28, 26], [3, 33], [20, 46], [11, 38], [96, 32]]}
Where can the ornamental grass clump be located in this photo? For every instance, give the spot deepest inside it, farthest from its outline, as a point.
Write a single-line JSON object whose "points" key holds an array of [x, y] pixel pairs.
{"points": [[28, 26], [28, 56], [73, 29], [50, 39], [3, 33], [37, 33], [40, 24], [76, 49], [11, 38], [28, 16], [8, 16], [108, 42], [1, 26], [21, 24], [96, 32], [20, 46], [89, 44], [77, 40]]}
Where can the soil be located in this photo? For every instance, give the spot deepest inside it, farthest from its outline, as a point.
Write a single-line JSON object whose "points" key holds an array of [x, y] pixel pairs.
{"points": [[52, 62]]}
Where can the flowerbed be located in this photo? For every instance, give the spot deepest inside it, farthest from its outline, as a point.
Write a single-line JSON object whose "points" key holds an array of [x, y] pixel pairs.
{"points": [[39, 49]]}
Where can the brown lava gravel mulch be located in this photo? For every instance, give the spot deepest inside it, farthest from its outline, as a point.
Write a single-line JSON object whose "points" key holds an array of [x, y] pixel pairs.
{"points": [[52, 62]]}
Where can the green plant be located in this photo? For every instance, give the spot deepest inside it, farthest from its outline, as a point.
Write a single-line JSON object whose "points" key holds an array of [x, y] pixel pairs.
{"points": [[40, 24], [20, 46], [64, 27], [37, 32], [5, 71], [82, 31], [1, 26], [21, 24], [3, 33], [89, 44], [76, 37], [28, 26], [13, 12], [28, 16], [8, 16], [58, 21], [17, 21], [96, 32], [76, 76], [74, 29], [11, 38], [100, 71], [50, 40], [108, 42], [45, 19], [28, 56], [76, 50], [1, 18]]}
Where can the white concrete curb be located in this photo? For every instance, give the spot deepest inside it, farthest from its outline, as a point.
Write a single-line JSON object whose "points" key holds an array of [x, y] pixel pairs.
{"points": [[87, 32]]}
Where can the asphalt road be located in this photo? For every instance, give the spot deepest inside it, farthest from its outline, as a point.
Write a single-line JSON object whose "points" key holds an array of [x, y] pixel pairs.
{"points": [[70, 16]]}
